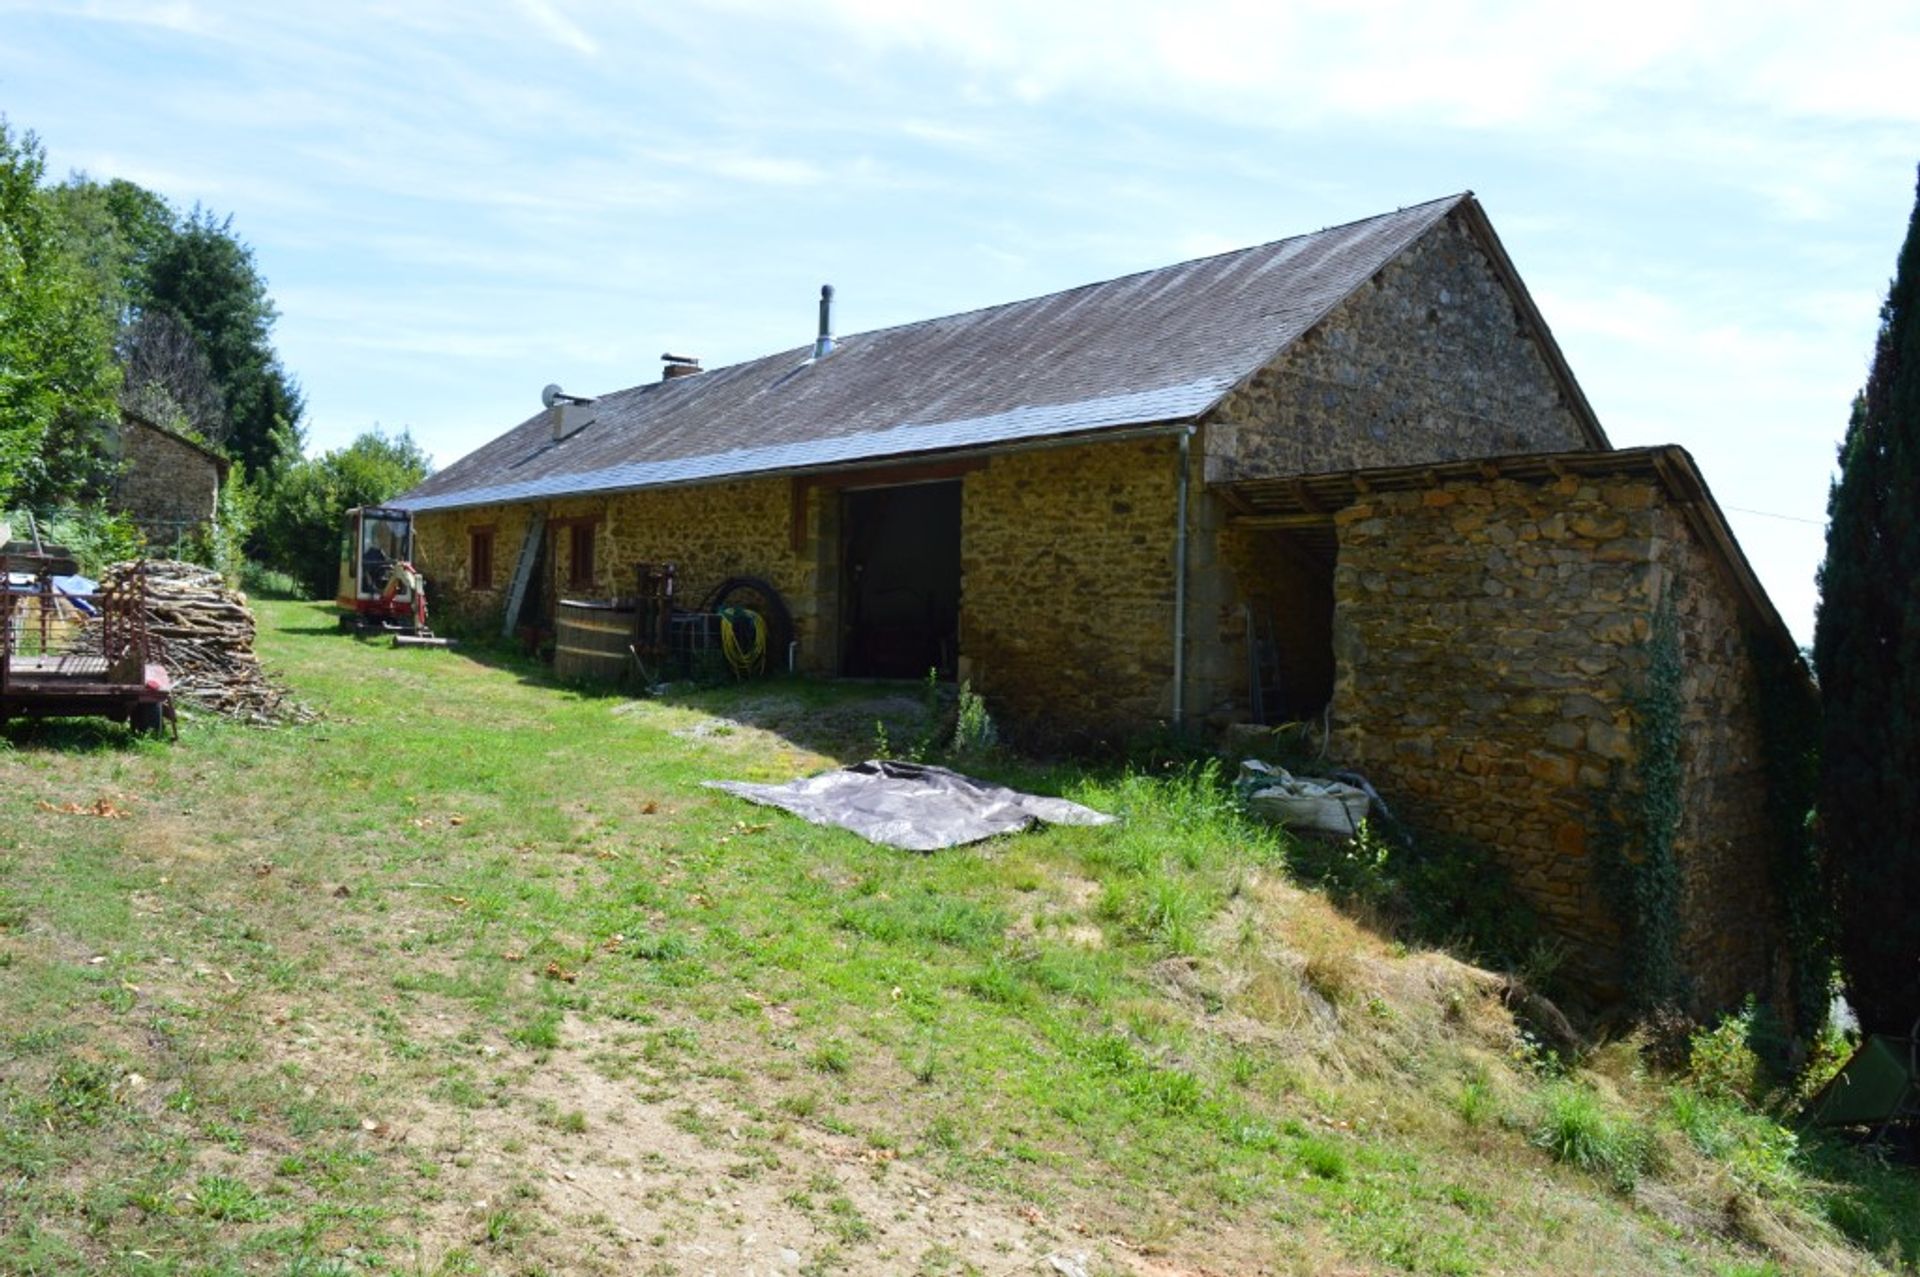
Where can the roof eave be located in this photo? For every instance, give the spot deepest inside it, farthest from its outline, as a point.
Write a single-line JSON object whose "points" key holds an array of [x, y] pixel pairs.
{"points": [[472, 499]]}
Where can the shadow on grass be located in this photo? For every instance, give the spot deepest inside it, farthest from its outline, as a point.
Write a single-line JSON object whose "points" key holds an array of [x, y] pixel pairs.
{"points": [[71, 736], [834, 717]]}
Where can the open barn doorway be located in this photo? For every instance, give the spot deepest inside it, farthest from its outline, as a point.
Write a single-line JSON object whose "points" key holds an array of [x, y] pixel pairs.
{"points": [[1289, 620], [900, 580]]}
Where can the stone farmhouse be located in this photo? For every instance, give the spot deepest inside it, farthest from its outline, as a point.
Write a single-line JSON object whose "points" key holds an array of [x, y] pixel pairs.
{"points": [[1345, 478]]}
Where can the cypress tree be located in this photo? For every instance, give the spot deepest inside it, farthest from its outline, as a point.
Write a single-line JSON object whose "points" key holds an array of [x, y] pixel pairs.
{"points": [[1866, 649]]}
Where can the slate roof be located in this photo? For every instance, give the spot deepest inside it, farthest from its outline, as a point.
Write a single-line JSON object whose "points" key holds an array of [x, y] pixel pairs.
{"points": [[1160, 346]]}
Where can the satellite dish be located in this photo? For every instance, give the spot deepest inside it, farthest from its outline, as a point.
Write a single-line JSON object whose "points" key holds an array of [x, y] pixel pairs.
{"points": [[551, 395]]}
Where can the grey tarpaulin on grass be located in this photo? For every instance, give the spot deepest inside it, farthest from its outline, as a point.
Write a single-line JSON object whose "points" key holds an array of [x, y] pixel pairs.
{"points": [[913, 806]]}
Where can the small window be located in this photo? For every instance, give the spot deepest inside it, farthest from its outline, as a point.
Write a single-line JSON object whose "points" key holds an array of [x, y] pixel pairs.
{"points": [[580, 565], [480, 558]]}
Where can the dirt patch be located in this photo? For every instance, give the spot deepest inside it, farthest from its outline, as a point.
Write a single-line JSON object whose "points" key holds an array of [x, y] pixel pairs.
{"points": [[592, 1173]]}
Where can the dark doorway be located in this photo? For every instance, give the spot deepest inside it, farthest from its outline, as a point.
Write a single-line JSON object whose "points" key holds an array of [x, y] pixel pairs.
{"points": [[1289, 614], [901, 580]]}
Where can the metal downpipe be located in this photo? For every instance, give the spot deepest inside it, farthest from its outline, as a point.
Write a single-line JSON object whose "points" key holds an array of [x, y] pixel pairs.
{"points": [[1180, 587]]}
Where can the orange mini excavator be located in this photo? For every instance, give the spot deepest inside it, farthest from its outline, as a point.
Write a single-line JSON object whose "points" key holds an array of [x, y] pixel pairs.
{"points": [[380, 589]]}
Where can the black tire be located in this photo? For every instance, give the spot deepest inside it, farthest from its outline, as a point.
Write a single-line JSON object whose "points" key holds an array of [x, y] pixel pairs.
{"points": [[757, 593]]}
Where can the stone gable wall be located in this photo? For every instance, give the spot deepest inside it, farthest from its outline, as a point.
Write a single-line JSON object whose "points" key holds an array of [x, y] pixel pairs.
{"points": [[1490, 639], [1429, 361], [168, 488]]}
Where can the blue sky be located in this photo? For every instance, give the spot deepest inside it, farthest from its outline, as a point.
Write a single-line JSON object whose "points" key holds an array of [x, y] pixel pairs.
{"points": [[455, 204]]}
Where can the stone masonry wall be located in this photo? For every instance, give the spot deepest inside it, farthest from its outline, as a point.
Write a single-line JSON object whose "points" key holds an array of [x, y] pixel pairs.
{"points": [[1728, 908], [1066, 611], [1490, 640], [1066, 573], [1428, 361], [709, 531], [165, 486]]}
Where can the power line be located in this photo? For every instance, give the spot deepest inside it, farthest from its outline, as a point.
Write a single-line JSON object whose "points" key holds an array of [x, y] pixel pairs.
{"points": [[1790, 518]]}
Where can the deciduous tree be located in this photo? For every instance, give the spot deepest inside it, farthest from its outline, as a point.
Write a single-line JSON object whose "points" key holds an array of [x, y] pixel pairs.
{"points": [[298, 521], [57, 375]]}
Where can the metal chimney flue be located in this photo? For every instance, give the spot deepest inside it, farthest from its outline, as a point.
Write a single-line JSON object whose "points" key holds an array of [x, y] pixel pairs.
{"points": [[823, 344]]}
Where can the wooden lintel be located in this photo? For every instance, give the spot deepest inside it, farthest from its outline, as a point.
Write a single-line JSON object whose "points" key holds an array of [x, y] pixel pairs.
{"points": [[885, 476], [1282, 522], [1489, 470], [1360, 483], [1304, 497]]}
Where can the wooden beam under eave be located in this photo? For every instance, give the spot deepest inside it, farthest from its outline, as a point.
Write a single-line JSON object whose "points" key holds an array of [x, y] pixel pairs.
{"points": [[1289, 522], [889, 476], [1231, 497]]}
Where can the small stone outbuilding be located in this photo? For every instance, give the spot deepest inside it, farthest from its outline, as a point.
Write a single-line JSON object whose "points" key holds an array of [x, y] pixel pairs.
{"points": [[1345, 478], [167, 484]]}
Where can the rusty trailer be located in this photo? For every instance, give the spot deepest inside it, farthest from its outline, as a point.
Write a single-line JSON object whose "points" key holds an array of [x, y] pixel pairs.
{"points": [[70, 651]]}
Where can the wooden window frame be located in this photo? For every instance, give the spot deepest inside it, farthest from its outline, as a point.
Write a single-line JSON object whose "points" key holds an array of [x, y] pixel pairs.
{"points": [[581, 535], [480, 544]]}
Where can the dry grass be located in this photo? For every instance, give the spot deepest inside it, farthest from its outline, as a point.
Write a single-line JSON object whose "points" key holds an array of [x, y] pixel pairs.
{"points": [[474, 977]]}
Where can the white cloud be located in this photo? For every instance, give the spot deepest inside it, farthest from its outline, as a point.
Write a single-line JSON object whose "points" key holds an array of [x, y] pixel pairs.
{"points": [[558, 27], [1517, 65], [763, 170]]}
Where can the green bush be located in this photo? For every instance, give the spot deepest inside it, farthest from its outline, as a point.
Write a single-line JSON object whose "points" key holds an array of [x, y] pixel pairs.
{"points": [[96, 537], [1721, 1061], [300, 513], [221, 545]]}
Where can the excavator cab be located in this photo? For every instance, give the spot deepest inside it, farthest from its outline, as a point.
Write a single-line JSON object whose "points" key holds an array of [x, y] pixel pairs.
{"points": [[378, 586]]}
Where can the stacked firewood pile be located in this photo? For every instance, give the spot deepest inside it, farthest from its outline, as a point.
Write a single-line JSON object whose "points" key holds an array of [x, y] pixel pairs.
{"points": [[202, 632]]}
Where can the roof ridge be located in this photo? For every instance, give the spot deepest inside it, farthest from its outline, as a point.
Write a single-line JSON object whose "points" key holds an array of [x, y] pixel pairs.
{"points": [[1449, 200]]}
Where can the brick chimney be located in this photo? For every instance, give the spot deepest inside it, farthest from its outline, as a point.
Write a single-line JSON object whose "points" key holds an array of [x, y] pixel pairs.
{"points": [[679, 366]]}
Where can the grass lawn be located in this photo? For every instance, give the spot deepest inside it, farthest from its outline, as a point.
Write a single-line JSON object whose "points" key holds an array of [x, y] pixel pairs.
{"points": [[472, 976]]}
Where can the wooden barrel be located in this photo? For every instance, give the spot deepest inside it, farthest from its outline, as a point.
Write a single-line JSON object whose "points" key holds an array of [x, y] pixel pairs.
{"points": [[591, 638]]}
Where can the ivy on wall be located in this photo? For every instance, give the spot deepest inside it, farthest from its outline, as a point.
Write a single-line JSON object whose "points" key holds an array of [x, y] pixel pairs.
{"points": [[1637, 832]]}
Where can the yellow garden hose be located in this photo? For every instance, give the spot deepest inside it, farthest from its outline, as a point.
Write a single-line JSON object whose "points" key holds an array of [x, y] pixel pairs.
{"points": [[753, 660]]}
